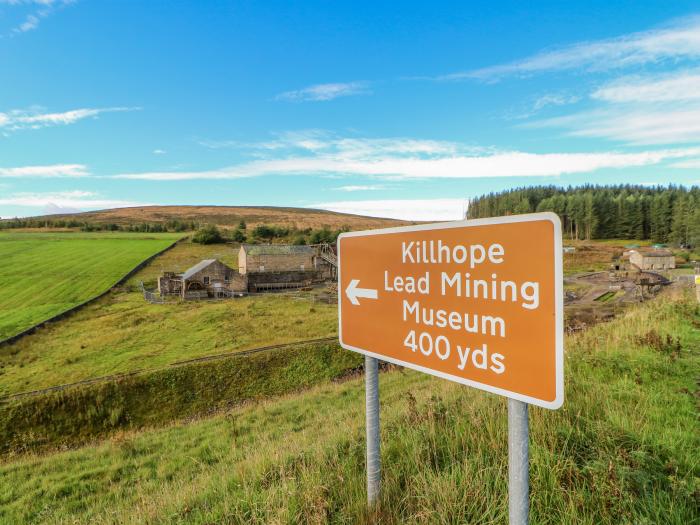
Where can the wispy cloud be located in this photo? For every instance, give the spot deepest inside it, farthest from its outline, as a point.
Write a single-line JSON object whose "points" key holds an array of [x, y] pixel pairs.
{"points": [[75, 199], [687, 164], [37, 117], [38, 10], [640, 126], [642, 110], [50, 171], [324, 92], [675, 42], [668, 87], [409, 210], [360, 187], [402, 159]]}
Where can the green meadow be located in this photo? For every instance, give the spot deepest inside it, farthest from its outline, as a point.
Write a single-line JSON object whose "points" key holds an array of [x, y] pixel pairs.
{"points": [[622, 449], [44, 274]]}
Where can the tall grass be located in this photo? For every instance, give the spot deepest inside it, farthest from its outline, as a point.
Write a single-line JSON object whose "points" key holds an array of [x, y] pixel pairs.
{"points": [[622, 449]]}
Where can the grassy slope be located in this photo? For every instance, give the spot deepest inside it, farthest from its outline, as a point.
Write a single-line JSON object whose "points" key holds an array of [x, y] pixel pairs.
{"points": [[122, 333], [623, 449], [44, 274]]}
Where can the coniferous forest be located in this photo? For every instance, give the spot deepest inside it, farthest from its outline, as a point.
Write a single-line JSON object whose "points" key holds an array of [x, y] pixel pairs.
{"points": [[664, 214]]}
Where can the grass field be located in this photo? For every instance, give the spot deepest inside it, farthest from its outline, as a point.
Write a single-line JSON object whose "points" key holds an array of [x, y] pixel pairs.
{"points": [[43, 274], [622, 450]]}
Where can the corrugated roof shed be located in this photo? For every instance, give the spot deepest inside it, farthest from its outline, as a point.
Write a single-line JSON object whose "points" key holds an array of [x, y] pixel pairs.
{"points": [[197, 268], [277, 249]]}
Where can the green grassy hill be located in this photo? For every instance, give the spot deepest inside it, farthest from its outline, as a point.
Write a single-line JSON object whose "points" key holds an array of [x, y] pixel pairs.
{"points": [[622, 450], [44, 274]]}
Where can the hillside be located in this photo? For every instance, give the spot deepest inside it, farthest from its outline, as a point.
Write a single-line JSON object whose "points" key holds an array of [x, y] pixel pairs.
{"points": [[299, 218], [622, 449]]}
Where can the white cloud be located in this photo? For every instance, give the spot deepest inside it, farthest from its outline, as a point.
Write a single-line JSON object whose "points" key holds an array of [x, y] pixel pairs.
{"points": [[641, 125], [680, 41], [53, 170], [76, 199], [31, 22], [36, 117], [675, 87], [409, 210], [554, 99], [39, 9], [400, 159], [687, 164], [323, 92], [159, 152], [360, 187]]}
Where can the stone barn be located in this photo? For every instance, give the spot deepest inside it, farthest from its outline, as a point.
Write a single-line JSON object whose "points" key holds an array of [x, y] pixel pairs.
{"points": [[260, 258], [208, 278], [652, 259]]}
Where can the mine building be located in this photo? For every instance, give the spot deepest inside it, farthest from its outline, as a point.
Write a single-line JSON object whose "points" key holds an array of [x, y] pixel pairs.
{"points": [[208, 278], [652, 259], [265, 258], [281, 266], [258, 258]]}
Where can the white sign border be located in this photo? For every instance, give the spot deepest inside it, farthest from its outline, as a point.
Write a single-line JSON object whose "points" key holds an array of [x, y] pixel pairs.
{"points": [[558, 307]]}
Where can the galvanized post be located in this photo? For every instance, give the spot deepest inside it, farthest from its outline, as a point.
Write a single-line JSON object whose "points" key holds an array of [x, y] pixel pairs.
{"points": [[518, 463], [372, 419]]}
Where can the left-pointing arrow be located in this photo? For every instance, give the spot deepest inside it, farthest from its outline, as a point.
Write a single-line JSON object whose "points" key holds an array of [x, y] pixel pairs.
{"points": [[353, 292]]}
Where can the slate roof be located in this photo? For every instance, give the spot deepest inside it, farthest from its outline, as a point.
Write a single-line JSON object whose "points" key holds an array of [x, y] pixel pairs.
{"points": [[277, 249], [197, 268]]}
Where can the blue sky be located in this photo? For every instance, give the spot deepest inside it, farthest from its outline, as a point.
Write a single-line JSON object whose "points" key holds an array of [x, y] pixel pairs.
{"points": [[360, 107]]}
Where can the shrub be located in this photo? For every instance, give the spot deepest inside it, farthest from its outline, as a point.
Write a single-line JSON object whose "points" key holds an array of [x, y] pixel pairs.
{"points": [[208, 235]]}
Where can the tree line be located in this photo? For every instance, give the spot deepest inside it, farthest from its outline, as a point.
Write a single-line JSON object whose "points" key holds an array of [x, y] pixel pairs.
{"points": [[174, 225], [263, 233], [663, 214]]}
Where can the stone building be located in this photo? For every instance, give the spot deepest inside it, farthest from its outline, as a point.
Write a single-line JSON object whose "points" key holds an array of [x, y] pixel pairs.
{"points": [[208, 278], [260, 258], [652, 259]]}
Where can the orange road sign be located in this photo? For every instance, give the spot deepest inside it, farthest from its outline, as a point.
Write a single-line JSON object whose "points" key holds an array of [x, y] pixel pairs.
{"points": [[479, 302]]}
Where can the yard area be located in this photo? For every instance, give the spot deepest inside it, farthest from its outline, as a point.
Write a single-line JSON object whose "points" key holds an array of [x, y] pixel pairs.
{"points": [[45, 273]]}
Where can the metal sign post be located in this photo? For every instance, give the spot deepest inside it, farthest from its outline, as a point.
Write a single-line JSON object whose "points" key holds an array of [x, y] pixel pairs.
{"points": [[518, 463], [372, 418]]}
